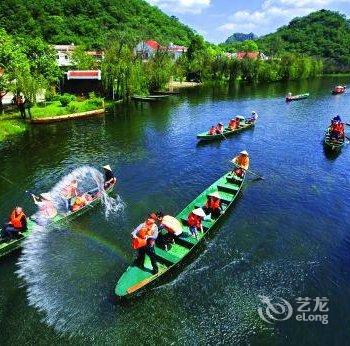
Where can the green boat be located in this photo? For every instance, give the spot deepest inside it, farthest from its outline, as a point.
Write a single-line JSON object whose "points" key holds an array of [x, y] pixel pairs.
{"points": [[6, 247], [227, 132], [297, 97], [333, 144], [136, 279]]}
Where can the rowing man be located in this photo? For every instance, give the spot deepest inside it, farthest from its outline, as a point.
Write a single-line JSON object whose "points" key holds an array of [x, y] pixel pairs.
{"points": [[242, 163]]}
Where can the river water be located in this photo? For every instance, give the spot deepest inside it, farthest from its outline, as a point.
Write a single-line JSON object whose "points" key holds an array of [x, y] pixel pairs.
{"points": [[286, 237]]}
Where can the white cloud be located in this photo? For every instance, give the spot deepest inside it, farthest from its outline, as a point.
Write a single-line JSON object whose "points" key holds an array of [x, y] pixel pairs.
{"points": [[272, 14], [181, 6]]}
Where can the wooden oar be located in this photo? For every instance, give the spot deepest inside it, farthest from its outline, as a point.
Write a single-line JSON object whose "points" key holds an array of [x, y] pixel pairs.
{"points": [[259, 176]]}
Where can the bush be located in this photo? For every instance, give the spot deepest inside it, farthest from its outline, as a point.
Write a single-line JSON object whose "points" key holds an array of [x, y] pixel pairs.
{"points": [[96, 102], [65, 99], [72, 108]]}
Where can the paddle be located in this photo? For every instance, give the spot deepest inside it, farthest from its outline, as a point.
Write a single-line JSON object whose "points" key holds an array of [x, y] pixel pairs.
{"points": [[259, 176]]}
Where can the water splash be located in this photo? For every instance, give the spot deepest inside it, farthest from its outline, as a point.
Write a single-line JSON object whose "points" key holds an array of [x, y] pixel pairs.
{"points": [[57, 262]]}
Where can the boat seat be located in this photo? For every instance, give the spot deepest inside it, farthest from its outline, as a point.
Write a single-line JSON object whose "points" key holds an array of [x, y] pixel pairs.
{"points": [[233, 178], [166, 257], [225, 196], [228, 187]]}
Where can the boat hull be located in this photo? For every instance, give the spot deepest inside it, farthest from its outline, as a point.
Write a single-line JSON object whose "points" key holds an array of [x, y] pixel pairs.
{"points": [[333, 145], [8, 247], [297, 97], [135, 280], [205, 137]]}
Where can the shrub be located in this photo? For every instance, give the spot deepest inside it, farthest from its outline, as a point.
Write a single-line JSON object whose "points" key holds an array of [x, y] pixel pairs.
{"points": [[72, 108], [96, 102], [65, 99]]}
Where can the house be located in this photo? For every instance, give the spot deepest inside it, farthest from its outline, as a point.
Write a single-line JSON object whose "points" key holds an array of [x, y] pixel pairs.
{"points": [[147, 49], [64, 54], [250, 55], [176, 51], [82, 82]]}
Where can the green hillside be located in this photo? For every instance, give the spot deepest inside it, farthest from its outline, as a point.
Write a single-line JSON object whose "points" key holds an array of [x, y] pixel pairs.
{"points": [[91, 22], [323, 34]]}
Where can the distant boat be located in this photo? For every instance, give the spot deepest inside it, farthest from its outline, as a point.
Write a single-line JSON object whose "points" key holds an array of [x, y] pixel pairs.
{"points": [[340, 89], [290, 98]]}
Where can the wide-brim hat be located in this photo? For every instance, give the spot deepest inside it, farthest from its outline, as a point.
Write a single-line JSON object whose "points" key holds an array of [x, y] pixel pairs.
{"points": [[108, 167], [199, 212], [215, 194], [244, 152]]}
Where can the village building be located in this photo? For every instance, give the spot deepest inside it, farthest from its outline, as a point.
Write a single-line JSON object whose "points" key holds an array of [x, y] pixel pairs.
{"points": [[82, 82], [147, 49]]}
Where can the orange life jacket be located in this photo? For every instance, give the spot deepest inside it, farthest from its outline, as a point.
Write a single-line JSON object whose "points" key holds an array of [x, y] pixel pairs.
{"points": [[212, 131], [16, 220], [242, 161], [141, 237], [194, 221], [213, 203]]}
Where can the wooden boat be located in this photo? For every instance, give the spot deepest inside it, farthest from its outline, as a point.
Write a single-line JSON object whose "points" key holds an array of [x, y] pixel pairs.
{"points": [[340, 89], [7, 247], [136, 279], [227, 132], [297, 97], [333, 144]]}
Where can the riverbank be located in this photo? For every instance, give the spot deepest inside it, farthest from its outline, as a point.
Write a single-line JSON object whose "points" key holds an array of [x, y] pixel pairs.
{"points": [[9, 127]]}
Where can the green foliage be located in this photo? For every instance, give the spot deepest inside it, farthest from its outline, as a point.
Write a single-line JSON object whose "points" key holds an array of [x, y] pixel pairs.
{"points": [[91, 22], [249, 46], [82, 60], [65, 99], [324, 35]]}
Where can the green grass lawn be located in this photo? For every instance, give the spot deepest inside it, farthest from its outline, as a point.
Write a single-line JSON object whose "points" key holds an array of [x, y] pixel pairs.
{"points": [[56, 109], [10, 127]]}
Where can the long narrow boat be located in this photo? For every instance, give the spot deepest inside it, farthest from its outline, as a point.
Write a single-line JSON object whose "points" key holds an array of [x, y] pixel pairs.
{"points": [[136, 279], [333, 144], [227, 132], [297, 97], [7, 247]]}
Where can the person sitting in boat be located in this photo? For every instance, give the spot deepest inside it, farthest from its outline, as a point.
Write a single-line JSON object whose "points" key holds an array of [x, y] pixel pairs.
{"points": [[45, 205], [242, 163], [16, 225], [220, 128], [169, 229], [233, 125], [81, 201], [143, 240], [70, 192], [253, 118], [110, 179], [213, 205], [337, 128], [194, 221], [212, 131]]}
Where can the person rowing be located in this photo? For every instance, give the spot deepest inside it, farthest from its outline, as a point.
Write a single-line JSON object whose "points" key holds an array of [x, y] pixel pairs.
{"points": [[16, 225], [253, 118], [143, 240], [337, 128], [45, 205], [212, 131], [81, 201], [194, 221], [169, 229], [110, 179], [213, 205], [241, 162]]}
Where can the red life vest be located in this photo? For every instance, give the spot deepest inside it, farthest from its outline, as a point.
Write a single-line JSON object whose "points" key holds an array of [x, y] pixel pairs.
{"points": [[194, 221], [16, 220], [141, 236], [213, 203], [212, 131], [232, 124]]}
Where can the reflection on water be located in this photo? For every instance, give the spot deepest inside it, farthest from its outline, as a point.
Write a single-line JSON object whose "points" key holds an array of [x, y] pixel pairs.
{"points": [[286, 237]]}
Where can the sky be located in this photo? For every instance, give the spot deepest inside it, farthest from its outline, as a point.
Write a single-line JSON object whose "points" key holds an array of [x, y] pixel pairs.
{"points": [[218, 19]]}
